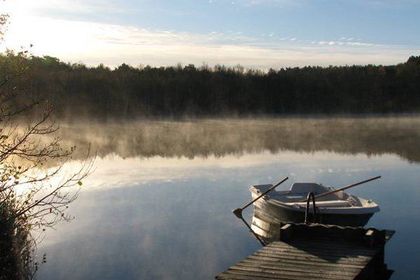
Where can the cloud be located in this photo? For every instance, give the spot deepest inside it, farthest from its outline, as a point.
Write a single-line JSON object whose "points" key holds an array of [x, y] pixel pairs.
{"points": [[346, 41], [94, 43]]}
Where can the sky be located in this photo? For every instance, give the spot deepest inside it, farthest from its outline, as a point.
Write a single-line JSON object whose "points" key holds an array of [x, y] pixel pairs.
{"points": [[259, 34]]}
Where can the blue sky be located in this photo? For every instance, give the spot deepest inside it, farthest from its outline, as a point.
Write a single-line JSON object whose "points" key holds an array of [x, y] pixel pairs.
{"points": [[253, 33]]}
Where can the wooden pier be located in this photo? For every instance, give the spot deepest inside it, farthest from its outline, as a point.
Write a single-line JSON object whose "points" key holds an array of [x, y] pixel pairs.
{"points": [[317, 252]]}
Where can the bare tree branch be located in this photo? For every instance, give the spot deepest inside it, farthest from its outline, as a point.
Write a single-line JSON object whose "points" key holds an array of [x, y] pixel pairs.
{"points": [[30, 196]]}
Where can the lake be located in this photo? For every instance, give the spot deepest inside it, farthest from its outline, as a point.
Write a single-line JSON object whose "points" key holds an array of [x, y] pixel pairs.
{"points": [[158, 204]]}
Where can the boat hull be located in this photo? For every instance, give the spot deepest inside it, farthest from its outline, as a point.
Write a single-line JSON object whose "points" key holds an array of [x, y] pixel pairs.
{"points": [[280, 214], [266, 221]]}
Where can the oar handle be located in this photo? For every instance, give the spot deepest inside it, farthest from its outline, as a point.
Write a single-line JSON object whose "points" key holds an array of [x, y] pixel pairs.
{"points": [[264, 193], [347, 187]]}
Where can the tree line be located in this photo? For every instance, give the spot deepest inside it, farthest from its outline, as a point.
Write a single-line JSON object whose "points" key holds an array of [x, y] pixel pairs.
{"points": [[76, 90]]}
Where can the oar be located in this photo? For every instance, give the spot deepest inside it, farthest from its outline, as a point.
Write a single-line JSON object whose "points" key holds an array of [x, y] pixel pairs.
{"points": [[346, 187], [238, 211]]}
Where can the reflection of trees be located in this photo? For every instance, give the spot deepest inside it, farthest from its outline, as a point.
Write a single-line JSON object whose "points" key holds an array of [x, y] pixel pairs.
{"points": [[370, 135]]}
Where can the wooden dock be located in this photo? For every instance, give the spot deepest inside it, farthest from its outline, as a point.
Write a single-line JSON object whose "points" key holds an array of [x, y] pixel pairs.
{"points": [[317, 252]]}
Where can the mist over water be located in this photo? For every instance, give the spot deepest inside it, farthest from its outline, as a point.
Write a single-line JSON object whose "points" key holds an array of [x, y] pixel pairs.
{"points": [[220, 137], [158, 205]]}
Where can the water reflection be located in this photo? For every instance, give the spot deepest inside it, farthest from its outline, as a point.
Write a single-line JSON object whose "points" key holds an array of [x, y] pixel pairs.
{"points": [[203, 138], [170, 218]]}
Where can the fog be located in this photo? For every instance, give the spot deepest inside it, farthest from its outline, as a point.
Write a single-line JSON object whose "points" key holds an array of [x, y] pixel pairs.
{"points": [[221, 137]]}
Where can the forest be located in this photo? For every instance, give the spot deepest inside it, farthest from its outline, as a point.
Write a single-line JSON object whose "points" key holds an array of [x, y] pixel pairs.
{"points": [[101, 93]]}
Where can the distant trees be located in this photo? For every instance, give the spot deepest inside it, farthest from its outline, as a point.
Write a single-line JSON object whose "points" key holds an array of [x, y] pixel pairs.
{"points": [[129, 92]]}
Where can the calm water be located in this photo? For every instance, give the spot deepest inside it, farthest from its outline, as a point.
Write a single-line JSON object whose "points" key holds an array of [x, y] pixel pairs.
{"points": [[167, 215]]}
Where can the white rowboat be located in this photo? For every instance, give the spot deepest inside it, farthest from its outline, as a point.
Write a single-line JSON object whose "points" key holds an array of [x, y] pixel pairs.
{"points": [[338, 208]]}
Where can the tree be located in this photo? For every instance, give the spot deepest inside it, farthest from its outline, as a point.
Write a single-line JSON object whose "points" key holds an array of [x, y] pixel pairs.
{"points": [[33, 193]]}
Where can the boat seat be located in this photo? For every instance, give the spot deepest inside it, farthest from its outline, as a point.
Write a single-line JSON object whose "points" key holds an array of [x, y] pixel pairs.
{"points": [[328, 203], [307, 188]]}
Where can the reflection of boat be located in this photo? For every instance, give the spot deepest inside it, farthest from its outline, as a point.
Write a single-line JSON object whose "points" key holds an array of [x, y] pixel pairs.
{"points": [[338, 208]]}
